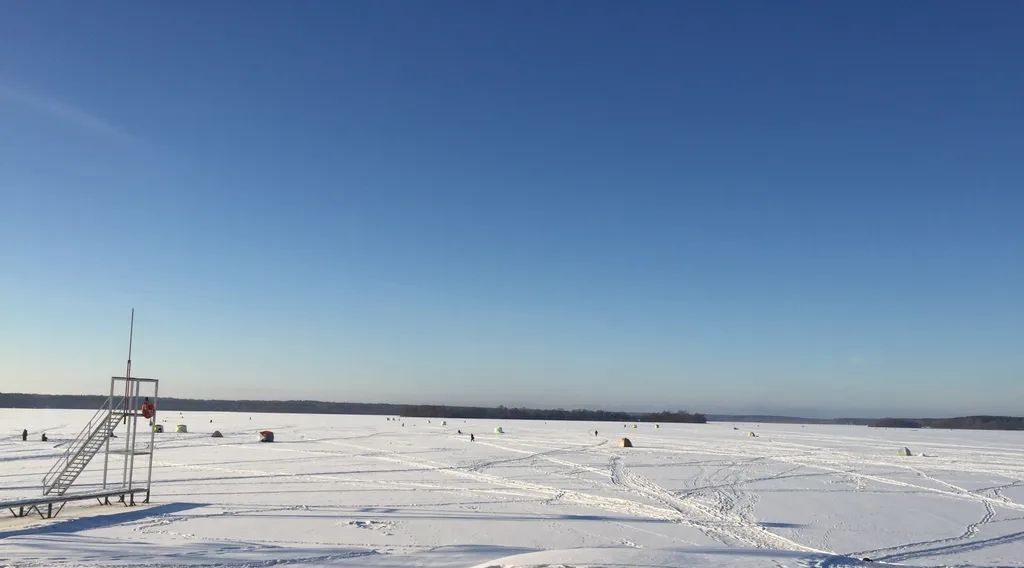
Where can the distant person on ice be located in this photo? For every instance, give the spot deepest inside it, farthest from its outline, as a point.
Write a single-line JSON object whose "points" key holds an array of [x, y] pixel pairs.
{"points": [[24, 435], [44, 438], [472, 438]]}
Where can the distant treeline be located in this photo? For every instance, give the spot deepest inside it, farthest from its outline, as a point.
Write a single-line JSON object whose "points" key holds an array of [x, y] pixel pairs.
{"points": [[19, 400], [960, 423], [788, 419], [504, 413], [679, 416]]}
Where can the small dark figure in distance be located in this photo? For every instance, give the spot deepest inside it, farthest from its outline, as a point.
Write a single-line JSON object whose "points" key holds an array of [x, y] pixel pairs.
{"points": [[595, 432], [460, 432], [472, 438], [44, 438], [24, 435]]}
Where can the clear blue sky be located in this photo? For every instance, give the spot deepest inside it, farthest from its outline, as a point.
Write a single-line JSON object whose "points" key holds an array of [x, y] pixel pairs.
{"points": [[813, 207]]}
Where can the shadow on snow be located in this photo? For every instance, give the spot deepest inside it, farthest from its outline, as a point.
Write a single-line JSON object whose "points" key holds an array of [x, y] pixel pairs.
{"points": [[101, 521]]}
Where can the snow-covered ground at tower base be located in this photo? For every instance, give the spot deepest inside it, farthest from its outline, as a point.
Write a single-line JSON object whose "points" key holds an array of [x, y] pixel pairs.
{"points": [[366, 491]]}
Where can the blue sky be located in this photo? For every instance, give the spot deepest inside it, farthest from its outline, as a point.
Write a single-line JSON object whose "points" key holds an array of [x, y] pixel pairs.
{"points": [[758, 207]]}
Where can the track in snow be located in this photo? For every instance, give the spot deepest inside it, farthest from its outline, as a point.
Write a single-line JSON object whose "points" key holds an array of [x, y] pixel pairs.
{"points": [[729, 528]]}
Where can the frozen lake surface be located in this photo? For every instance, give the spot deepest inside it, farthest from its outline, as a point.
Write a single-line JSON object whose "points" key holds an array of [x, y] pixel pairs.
{"points": [[364, 491]]}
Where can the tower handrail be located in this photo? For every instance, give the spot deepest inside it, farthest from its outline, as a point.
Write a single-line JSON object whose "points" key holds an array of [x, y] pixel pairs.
{"points": [[78, 444]]}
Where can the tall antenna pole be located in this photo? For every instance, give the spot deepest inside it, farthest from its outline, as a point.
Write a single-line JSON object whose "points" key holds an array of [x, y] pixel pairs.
{"points": [[128, 369]]}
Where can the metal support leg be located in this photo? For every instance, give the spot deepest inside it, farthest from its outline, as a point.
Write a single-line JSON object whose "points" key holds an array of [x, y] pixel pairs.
{"points": [[152, 443], [109, 431]]}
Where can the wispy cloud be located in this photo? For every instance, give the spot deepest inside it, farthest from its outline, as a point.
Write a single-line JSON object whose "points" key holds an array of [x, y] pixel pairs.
{"points": [[61, 110]]}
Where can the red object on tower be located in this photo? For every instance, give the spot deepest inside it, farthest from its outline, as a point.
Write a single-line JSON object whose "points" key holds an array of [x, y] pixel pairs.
{"points": [[148, 409]]}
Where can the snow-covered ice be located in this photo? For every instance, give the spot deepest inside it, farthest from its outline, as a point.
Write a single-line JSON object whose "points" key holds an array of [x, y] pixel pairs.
{"points": [[365, 491]]}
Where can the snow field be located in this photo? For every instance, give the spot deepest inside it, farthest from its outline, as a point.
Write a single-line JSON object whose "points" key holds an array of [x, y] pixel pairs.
{"points": [[365, 491]]}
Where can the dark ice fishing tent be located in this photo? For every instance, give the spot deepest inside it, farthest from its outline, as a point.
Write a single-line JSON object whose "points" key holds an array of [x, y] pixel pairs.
{"points": [[625, 443], [903, 452], [181, 429], [158, 428], [216, 434], [266, 436]]}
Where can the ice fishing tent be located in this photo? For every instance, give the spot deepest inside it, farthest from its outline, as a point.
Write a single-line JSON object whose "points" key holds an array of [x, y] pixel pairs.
{"points": [[498, 430], [158, 428], [751, 434], [266, 436], [625, 443], [181, 429], [216, 434], [903, 452]]}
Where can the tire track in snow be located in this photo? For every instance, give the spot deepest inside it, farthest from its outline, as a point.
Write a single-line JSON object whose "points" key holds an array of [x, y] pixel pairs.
{"points": [[835, 468], [907, 550], [613, 504], [546, 456], [717, 523], [788, 453], [316, 476]]}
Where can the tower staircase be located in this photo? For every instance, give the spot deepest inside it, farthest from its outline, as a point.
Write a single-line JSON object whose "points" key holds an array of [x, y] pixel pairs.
{"points": [[83, 448]]}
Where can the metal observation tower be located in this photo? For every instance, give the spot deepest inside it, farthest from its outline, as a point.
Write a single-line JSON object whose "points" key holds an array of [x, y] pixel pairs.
{"points": [[113, 431]]}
